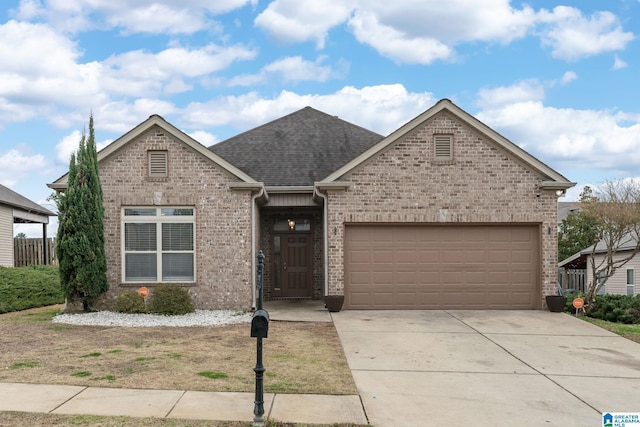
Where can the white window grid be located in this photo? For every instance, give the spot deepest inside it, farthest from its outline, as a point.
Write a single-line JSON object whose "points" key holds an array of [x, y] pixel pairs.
{"points": [[158, 218]]}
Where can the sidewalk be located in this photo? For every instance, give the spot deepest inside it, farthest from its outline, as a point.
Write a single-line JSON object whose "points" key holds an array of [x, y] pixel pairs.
{"points": [[218, 406], [182, 404]]}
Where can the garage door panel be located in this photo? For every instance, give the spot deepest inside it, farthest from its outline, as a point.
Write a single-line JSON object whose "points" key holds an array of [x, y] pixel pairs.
{"points": [[383, 256], [360, 256], [521, 256], [453, 267], [382, 278], [449, 256], [407, 278]]}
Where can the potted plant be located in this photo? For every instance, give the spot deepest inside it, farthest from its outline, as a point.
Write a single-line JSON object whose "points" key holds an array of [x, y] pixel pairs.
{"points": [[334, 302], [556, 303]]}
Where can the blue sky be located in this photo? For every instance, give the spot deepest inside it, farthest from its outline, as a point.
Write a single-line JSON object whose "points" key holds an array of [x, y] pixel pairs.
{"points": [[558, 78]]}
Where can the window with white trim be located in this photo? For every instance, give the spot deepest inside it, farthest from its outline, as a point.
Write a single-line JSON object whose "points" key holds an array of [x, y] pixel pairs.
{"points": [[443, 146], [158, 164], [631, 281], [158, 244]]}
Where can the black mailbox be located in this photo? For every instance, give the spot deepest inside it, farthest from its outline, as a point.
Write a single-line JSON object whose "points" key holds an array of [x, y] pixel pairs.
{"points": [[260, 324]]}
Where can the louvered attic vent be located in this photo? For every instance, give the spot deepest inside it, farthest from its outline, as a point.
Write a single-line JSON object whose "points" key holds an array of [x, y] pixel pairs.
{"points": [[158, 165], [443, 147]]}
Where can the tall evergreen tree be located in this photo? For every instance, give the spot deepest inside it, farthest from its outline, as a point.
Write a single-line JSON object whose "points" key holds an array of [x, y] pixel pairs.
{"points": [[578, 231], [80, 243]]}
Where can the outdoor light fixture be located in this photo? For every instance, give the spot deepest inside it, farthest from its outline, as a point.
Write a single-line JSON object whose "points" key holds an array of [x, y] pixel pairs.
{"points": [[560, 192], [292, 224]]}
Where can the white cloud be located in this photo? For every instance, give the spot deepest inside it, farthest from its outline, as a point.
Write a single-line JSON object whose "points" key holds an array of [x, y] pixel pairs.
{"points": [[602, 141], [408, 31], [122, 116], [523, 91], [294, 21], [43, 71], [568, 77], [46, 78], [205, 138], [69, 144], [395, 44], [292, 69], [18, 163], [380, 108], [572, 36], [618, 63], [452, 21], [404, 30], [131, 16], [142, 73]]}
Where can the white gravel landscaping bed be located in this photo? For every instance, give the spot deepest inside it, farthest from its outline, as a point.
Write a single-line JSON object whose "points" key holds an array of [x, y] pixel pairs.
{"points": [[197, 318]]}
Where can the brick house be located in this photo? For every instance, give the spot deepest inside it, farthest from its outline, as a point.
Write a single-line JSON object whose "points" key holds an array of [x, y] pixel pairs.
{"points": [[442, 213]]}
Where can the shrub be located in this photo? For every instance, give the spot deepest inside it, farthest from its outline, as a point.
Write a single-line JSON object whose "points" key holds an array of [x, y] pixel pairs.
{"points": [[170, 300], [617, 308], [130, 302], [22, 288]]}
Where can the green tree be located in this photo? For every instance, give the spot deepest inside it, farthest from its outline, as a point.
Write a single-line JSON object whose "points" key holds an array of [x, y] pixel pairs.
{"points": [[80, 240], [616, 212], [578, 231]]}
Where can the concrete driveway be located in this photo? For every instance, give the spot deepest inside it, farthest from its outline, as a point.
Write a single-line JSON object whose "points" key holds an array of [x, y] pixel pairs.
{"points": [[487, 368]]}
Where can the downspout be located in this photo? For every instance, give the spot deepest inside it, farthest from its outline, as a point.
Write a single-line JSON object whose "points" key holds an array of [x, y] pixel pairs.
{"points": [[325, 226], [254, 234]]}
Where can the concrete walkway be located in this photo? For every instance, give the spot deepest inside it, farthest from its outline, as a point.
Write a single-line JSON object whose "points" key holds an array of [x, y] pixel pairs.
{"points": [[463, 368], [185, 404], [487, 368], [64, 399]]}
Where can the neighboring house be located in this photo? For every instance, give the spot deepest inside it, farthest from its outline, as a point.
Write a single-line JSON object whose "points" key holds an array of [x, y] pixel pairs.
{"points": [[442, 213], [622, 282], [565, 209], [15, 209]]}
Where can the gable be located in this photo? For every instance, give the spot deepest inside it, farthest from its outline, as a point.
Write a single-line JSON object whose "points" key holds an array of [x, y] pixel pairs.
{"points": [[155, 160], [410, 176], [452, 120], [163, 131]]}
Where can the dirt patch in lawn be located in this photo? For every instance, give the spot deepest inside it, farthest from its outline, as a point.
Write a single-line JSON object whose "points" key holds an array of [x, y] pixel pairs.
{"points": [[299, 357]]}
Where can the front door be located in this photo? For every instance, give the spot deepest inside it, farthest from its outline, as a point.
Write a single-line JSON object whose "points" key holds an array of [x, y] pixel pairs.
{"points": [[293, 265]]}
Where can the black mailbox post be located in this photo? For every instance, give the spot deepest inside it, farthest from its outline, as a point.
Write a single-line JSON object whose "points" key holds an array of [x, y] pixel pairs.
{"points": [[260, 324], [259, 330]]}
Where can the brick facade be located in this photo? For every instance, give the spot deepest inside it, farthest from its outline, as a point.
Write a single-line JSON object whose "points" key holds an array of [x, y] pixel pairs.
{"points": [[223, 217], [486, 182], [405, 184]]}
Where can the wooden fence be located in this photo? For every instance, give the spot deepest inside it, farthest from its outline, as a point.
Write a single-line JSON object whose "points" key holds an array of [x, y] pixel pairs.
{"points": [[30, 251], [573, 279]]}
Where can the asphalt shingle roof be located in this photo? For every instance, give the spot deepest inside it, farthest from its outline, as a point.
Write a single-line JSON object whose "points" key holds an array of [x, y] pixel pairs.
{"points": [[298, 149], [11, 198]]}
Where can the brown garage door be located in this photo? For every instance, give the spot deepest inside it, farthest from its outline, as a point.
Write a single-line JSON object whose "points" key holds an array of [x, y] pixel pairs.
{"points": [[441, 267]]}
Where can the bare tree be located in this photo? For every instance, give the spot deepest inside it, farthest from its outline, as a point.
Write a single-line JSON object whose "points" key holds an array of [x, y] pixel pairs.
{"points": [[615, 209]]}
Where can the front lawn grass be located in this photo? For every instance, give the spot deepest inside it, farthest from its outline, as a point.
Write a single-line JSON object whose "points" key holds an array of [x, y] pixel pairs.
{"points": [[631, 332]]}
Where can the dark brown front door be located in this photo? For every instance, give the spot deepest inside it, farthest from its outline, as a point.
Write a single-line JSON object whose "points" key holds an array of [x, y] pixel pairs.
{"points": [[293, 265]]}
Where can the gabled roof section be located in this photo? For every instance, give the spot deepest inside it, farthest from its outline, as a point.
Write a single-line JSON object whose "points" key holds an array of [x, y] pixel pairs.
{"points": [[15, 200], [628, 242], [156, 120], [297, 149], [554, 180]]}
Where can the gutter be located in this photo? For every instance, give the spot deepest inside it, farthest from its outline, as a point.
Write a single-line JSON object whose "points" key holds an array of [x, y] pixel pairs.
{"points": [[325, 236], [254, 233]]}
